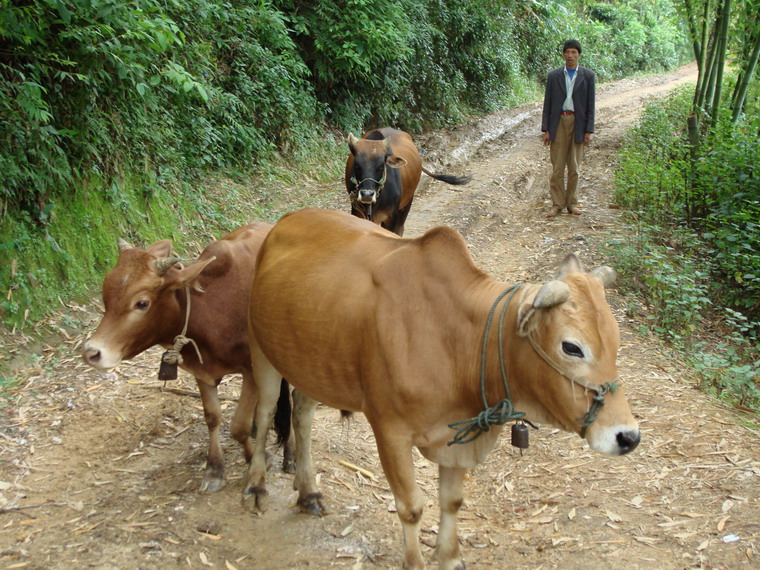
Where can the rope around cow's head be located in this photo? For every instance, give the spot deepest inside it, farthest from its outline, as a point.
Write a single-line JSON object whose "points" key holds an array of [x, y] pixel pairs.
{"points": [[503, 411], [353, 196]]}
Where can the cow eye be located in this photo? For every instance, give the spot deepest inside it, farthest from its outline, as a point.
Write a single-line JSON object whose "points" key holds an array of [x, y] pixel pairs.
{"points": [[141, 305], [572, 349]]}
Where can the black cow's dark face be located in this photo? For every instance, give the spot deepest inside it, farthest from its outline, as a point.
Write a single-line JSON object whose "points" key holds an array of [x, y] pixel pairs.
{"points": [[369, 176]]}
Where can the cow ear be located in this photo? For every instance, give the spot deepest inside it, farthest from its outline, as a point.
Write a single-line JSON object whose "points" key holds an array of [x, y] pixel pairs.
{"points": [[395, 161], [188, 276], [571, 264], [161, 248], [606, 275], [123, 244], [352, 140]]}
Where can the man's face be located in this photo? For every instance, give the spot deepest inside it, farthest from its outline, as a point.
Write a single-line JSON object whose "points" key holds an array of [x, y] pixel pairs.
{"points": [[571, 57]]}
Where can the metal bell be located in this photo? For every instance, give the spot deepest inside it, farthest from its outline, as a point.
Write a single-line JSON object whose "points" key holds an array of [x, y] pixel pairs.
{"points": [[167, 370], [520, 435]]}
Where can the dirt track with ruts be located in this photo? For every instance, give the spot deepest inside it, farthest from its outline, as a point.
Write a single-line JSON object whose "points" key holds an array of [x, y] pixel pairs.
{"points": [[102, 470]]}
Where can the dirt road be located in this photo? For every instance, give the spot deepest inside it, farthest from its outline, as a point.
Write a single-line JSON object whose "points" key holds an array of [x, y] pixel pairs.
{"points": [[102, 471]]}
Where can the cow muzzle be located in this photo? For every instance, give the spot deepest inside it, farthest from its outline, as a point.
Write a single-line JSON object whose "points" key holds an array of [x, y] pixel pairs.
{"points": [[614, 440], [99, 357], [367, 196]]}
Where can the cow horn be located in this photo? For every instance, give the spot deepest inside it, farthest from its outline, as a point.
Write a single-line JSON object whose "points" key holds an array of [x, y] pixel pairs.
{"points": [[162, 265], [352, 140], [605, 274], [387, 143], [551, 294], [571, 264], [123, 244]]}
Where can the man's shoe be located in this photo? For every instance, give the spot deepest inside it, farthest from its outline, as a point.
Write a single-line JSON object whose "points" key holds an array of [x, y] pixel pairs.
{"points": [[574, 210], [555, 211]]}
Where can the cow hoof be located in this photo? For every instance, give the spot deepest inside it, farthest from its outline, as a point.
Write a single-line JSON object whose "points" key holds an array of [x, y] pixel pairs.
{"points": [[288, 465], [312, 504], [255, 499], [212, 484]]}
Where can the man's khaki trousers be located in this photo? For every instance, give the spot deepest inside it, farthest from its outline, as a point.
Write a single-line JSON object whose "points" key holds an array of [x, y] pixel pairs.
{"points": [[565, 153]]}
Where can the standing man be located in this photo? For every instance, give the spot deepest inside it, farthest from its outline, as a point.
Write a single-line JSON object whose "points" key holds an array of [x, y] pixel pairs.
{"points": [[567, 124]]}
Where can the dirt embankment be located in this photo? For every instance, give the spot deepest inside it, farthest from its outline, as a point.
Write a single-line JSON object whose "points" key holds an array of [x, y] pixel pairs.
{"points": [[102, 470]]}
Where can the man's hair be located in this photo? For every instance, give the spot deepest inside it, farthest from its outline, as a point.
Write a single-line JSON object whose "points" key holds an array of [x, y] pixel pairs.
{"points": [[569, 44]]}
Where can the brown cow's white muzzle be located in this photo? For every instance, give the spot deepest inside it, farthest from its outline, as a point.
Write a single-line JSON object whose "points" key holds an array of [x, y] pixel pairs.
{"points": [[614, 440], [99, 357], [367, 196]]}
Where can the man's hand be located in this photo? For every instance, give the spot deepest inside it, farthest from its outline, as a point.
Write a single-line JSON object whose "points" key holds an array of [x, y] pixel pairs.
{"points": [[546, 138], [587, 138]]}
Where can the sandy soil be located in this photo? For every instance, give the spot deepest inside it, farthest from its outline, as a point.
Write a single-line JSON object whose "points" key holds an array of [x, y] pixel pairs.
{"points": [[102, 471]]}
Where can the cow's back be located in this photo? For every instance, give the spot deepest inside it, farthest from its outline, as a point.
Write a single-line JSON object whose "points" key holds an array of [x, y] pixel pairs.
{"points": [[218, 316], [342, 304], [403, 145]]}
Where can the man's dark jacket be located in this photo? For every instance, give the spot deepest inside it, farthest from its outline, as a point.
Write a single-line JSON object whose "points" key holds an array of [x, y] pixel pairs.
{"points": [[584, 94]]}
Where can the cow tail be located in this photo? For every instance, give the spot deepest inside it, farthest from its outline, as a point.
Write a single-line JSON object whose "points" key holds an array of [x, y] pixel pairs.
{"points": [[282, 414], [448, 178]]}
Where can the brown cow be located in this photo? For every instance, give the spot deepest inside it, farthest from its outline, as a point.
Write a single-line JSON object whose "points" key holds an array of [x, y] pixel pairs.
{"points": [[146, 298], [382, 173], [398, 335]]}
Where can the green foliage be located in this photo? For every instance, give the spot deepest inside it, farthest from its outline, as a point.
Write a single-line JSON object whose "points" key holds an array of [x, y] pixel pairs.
{"points": [[697, 217], [667, 276], [94, 86], [717, 194], [632, 36], [732, 368]]}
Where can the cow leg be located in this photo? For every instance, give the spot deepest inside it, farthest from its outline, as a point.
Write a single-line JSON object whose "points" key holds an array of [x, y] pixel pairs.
{"points": [[450, 497], [213, 478], [267, 381], [398, 466], [309, 498], [284, 417], [242, 421], [401, 218]]}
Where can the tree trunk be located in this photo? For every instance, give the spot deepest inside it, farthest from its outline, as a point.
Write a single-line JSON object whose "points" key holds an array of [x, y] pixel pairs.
{"points": [[720, 59], [743, 81], [702, 61]]}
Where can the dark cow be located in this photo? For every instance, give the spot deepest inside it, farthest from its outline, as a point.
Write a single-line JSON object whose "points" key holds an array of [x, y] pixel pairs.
{"points": [[146, 303], [412, 336], [382, 173]]}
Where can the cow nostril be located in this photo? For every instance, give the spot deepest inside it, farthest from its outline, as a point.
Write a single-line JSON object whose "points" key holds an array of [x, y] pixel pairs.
{"points": [[91, 355], [628, 440]]}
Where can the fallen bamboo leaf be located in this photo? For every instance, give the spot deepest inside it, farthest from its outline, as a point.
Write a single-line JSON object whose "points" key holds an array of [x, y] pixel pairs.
{"points": [[722, 523], [704, 545], [614, 517], [229, 566], [646, 539], [358, 469], [672, 523]]}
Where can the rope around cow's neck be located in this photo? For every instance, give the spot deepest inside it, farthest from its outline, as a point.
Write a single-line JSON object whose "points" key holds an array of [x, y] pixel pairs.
{"points": [[503, 412], [173, 356]]}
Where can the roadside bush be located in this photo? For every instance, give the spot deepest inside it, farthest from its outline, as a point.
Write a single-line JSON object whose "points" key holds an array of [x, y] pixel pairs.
{"points": [[696, 215]]}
